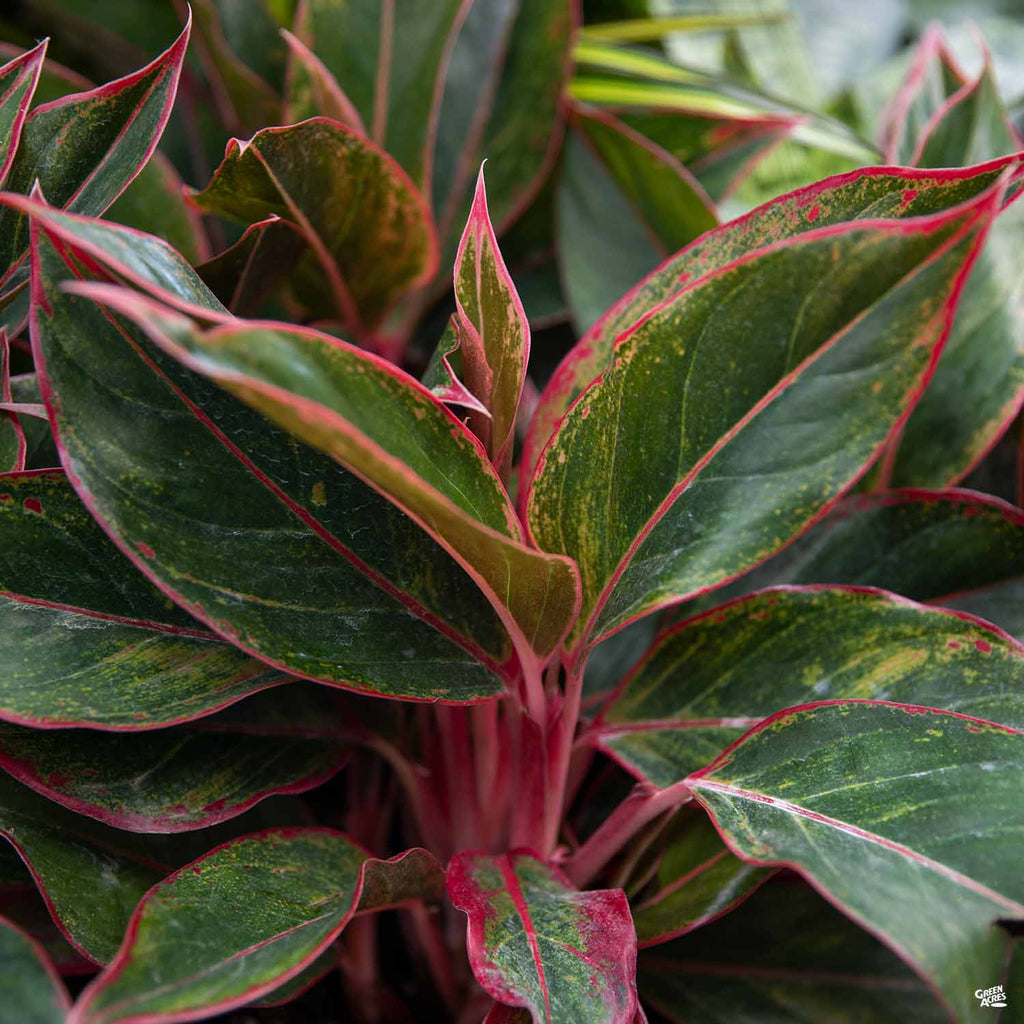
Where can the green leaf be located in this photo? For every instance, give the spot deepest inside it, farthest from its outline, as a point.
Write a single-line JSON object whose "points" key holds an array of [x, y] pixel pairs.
{"points": [[387, 428], [389, 59], [94, 644], [195, 775], [155, 202], [978, 386], [494, 332], [697, 880], [869, 193], [954, 548], [667, 477], [647, 30], [785, 956], [440, 378], [85, 149], [40, 452], [18, 80], [13, 446], [249, 272], [33, 991], [536, 942], [620, 192], [898, 813], [257, 911], [708, 680], [311, 89], [282, 524], [369, 230]]}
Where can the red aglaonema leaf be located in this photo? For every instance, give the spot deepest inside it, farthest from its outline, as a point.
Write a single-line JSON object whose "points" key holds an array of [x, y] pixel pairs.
{"points": [[12, 436], [18, 79], [440, 377], [494, 331], [286, 893], [312, 90], [29, 982], [536, 942]]}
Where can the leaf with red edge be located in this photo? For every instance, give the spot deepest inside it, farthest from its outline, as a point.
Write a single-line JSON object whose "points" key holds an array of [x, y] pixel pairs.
{"points": [[368, 227], [696, 880], [872, 192], [33, 991], [311, 90], [493, 330], [668, 477], [955, 548], [389, 58], [22, 903], [440, 377], [257, 911], [248, 273], [94, 644], [897, 813], [304, 540], [709, 679], [84, 149], [18, 80], [195, 775], [12, 435], [390, 431], [538, 943], [978, 387], [784, 956]]}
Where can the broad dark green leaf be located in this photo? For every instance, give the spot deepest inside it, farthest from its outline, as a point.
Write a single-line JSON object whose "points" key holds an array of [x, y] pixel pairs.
{"points": [[281, 525], [32, 990], [954, 548], [708, 680], [190, 776], [84, 149], [18, 80], [391, 431], [620, 192], [155, 202], [785, 956], [389, 59], [369, 230], [493, 330], [866, 194], [536, 942], [669, 476], [248, 273], [698, 879], [910, 820], [978, 386], [85, 640], [256, 911]]}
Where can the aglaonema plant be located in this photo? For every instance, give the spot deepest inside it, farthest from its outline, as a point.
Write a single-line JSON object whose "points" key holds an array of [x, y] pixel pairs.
{"points": [[690, 686]]}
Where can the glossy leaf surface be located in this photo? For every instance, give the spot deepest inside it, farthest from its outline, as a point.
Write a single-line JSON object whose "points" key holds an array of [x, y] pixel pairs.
{"points": [[368, 227], [537, 943], [33, 991], [934, 826], [710, 679], [866, 194], [187, 777], [697, 880], [493, 329], [784, 956], [93, 644], [712, 494], [85, 148], [283, 530], [18, 79], [390, 431], [257, 911]]}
